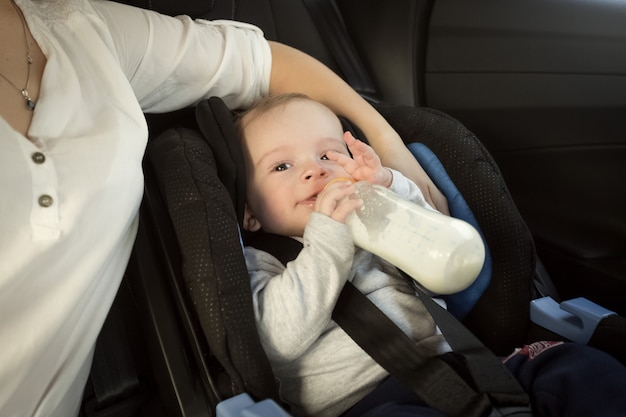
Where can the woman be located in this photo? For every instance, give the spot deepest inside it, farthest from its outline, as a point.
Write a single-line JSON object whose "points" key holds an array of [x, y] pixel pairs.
{"points": [[75, 79]]}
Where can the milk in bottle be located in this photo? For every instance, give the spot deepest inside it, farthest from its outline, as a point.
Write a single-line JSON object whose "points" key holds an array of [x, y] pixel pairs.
{"points": [[443, 254]]}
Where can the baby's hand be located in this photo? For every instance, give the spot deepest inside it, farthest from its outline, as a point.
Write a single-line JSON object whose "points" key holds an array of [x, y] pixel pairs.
{"points": [[336, 202], [364, 165]]}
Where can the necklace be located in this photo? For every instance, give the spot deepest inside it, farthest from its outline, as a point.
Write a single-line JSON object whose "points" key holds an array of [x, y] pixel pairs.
{"points": [[30, 103]]}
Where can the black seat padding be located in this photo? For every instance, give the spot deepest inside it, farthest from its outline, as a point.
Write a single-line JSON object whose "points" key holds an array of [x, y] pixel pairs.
{"points": [[213, 268]]}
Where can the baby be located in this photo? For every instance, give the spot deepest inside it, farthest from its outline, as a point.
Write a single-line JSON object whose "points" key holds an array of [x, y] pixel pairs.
{"points": [[295, 151]]}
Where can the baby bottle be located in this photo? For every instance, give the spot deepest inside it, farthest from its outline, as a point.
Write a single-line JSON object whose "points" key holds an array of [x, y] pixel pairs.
{"points": [[443, 254]]}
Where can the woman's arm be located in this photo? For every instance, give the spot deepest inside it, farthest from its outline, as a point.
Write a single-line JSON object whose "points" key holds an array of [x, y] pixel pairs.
{"points": [[293, 70]]}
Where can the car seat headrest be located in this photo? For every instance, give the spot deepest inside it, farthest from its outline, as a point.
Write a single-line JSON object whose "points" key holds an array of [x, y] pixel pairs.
{"points": [[215, 121]]}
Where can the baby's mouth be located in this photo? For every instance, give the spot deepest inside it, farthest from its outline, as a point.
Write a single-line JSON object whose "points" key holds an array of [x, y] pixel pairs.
{"points": [[310, 201]]}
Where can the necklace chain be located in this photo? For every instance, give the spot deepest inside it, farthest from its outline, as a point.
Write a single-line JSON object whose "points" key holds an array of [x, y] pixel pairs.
{"points": [[30, 103]]}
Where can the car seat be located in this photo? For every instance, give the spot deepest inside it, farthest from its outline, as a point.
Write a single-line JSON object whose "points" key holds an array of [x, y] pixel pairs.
{"points": [[201, 196], [199, 343]]}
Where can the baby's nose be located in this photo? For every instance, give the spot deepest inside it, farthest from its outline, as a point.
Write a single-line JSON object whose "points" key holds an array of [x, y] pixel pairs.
{"points": [[316, 170]]}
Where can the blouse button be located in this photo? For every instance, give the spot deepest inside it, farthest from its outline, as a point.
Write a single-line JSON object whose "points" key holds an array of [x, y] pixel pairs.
{"points": [[45, 200], [38, 158]]}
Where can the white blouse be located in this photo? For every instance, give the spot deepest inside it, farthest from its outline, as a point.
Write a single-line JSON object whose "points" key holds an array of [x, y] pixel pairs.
{"points": [[68, 214]]}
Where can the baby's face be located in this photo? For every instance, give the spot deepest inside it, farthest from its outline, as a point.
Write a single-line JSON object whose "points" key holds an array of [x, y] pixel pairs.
{"points": [[287, 165]]}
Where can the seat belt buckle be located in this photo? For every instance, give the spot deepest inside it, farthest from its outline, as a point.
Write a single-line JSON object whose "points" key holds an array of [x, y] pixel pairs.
{"points": [[575, 319]]}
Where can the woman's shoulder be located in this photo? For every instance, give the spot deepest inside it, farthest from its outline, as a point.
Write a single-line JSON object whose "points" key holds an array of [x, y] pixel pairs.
{"points": [[51, 10]]}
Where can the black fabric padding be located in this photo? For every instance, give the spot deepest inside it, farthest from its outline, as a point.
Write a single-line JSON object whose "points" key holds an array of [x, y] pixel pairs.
{"points": [[214, 268], [215, 121], [610, 336], [501, 317]]}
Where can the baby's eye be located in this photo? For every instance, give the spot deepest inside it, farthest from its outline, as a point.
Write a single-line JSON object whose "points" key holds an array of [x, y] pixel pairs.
{"points": [[324, 157], [282, 167]]}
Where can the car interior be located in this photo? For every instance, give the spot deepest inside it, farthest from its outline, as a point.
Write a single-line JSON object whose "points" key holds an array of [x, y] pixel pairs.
{"points": [[523, 97]]}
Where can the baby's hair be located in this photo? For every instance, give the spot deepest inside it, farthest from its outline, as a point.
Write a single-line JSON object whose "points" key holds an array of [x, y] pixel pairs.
{"points": [[264, 106]]}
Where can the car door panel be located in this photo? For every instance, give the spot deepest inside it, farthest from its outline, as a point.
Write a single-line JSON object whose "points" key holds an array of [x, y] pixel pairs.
{"points": [[543, 85]]}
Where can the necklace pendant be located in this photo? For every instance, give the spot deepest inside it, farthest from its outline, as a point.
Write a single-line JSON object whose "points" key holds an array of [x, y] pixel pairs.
{"points": [[30, 104]]}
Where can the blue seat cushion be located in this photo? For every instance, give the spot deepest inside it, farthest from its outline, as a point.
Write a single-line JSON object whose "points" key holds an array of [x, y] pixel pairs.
{"points": [[461, 303]]}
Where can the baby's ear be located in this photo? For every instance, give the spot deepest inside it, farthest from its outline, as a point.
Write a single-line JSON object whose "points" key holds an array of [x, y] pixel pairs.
{"points": [[250, 223]]}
